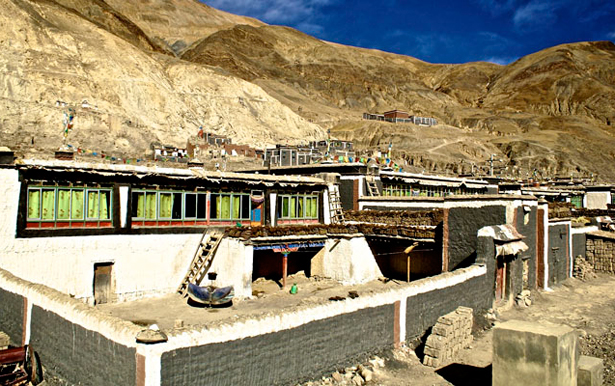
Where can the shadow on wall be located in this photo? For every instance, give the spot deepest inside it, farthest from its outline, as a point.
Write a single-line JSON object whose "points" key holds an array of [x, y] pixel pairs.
{"points": [[466, 375]]}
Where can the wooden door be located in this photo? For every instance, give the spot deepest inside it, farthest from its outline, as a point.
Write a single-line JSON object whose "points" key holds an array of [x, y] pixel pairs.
{"points": [[103, 283], [256, 218], [500, 279]]}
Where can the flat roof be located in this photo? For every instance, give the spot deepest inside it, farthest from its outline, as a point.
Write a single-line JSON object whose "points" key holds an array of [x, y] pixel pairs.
{"points": [[140, 171], [432, 177]]}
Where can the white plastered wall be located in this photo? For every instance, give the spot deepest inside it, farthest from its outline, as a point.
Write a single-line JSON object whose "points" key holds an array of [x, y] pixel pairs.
{"points": [[598, 200], [349, 261], [143, 264], [233, 263]]}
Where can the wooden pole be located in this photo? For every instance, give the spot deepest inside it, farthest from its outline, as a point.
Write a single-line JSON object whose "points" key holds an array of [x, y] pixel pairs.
{"points": [[408, 268], [284, 268], [407, 251]]}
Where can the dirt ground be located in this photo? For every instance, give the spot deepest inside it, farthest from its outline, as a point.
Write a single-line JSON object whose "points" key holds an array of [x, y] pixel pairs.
{"points": [[588, 307], [268, 298]]}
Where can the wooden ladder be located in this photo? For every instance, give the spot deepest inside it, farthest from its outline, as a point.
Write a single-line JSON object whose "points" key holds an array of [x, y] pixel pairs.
{"points": [[203, 258], [372, 188], [335, 206]]}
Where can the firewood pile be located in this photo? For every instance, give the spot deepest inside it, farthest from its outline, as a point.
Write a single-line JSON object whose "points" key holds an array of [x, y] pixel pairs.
{"points": [[560, 210], [583, 270], [396, 217], [247, 233]]}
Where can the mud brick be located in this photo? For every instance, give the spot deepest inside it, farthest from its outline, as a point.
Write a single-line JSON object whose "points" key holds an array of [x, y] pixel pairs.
{"points": [[464, 310], [447, 320], [432, 352], [442, 330], [429, 361], [435, 341]]}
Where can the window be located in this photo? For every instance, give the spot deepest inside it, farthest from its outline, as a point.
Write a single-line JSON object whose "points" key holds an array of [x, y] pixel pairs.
{"points": [[577, 201], [152, 205], [51, 206], [230, 206], [195, 205], [298, 206]]}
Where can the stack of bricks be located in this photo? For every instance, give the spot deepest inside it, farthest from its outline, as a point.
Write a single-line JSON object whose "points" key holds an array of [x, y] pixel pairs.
{"points": [[451, 334], [600, 253]]}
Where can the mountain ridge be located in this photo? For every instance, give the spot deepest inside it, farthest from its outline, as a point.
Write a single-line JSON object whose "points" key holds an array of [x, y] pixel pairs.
{"points": [[158, 69]]}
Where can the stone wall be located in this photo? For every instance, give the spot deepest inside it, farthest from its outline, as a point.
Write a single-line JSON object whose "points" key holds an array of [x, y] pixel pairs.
{"points": [[601, 251]]}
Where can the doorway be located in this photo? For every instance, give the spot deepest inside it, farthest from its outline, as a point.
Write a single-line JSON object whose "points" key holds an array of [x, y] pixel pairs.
{"points": [[104, 284]]}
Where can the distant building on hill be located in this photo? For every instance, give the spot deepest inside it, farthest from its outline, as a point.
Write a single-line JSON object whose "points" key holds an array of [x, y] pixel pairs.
{"points": [[398, 116]]}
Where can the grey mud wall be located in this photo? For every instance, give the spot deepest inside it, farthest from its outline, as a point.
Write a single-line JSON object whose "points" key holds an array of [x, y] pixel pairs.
{"points": [[285, 357], [67, 349], [463, 226], [82, 345], [423, 310], [12, 315], [320, 347], [79, 355]]}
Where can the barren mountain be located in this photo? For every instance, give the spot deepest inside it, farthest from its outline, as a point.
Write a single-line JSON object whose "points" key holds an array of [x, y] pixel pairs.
{"points": [[136, 94], [156, 70]]}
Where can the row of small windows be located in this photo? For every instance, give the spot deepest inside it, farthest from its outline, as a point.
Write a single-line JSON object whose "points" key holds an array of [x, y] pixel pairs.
{"points": [[74, 206], [298, 206], [407, 190], [174, 205], [68, 204]]}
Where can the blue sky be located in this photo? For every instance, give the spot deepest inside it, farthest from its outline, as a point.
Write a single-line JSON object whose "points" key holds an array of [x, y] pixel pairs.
{"points": [[450, 31]]}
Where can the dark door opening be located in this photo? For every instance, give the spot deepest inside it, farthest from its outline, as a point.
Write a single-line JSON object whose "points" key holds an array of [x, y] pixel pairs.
{"points": [[104, 288]]}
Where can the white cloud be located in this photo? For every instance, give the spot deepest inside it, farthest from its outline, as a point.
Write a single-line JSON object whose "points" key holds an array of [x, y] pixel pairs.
{"points": [[611, 35], [536, 13], [502, 61], [273, 11], [498, 7]]}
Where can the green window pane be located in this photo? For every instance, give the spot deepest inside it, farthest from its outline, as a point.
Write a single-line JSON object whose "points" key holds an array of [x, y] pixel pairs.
{"points": [[63, 204], [236, 206], [293, 207], [93, 204], [166, 205], [308, 206], [216, 206], [226, 207], [150, 206], [138, 204], [105, 203], [77, 204], [314, 211], [34, 204], [285, 207], [48, 201]]}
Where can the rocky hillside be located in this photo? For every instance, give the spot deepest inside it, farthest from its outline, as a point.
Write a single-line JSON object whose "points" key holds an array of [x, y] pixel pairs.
{"points": [[57, 54], [156, 70]]}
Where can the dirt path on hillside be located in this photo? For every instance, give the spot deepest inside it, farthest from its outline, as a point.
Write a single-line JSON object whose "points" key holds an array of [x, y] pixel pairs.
{"points": [[588, 307]]}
